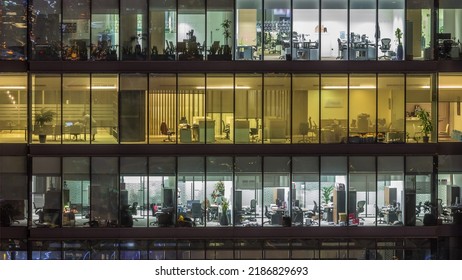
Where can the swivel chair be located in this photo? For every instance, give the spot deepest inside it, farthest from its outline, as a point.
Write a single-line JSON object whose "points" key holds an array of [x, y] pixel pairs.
{"points": [[253, 210], [385, 47], [253, 134], [196, 212], [165, 131], [360, 209], [303, 129], [341, 48], [379, 216]]}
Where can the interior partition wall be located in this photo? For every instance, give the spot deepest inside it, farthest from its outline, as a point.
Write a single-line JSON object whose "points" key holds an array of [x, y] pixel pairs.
{"points": [[13, 104]]}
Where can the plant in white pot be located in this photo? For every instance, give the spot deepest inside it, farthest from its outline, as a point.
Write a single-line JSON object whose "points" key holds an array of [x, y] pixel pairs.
{"points": [[41, 119]]}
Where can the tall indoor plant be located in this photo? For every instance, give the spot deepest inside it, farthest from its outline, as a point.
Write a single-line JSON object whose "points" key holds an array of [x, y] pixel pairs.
{"points": [[426, 123], [399, 50], [226, 25], [41, 118]]}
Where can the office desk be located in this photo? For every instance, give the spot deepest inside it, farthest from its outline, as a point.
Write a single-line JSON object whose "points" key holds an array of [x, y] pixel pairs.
{"points": [[366, 52], [185, 135]]}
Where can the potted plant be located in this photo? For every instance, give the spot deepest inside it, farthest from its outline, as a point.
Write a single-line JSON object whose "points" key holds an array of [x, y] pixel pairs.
{"points": [[226, 25], [426, 124], [326, 193], [399, 51], [224, 212], [41, 118]]}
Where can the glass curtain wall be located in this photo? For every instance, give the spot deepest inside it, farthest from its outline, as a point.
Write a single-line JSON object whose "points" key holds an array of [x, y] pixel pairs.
{"points": [[334, 191], [362, 108], [13, 108], [191, 30], [45, 29], [276, 108], [333, 31], [105, 30], [305, 39], [220, 26], [132, 117], [449, 31], [249, 30], [191, 108], [334, 108], [421, 113], [162, 28], [248, 185], [390, 206], [46, 250], [362, 191], [305, 192], [76, 191], [277, 190], [277, 30], [162, 109], [191, 192], [162, 187], [76, 250], [248, 115], [104, 109], [134, 206], [13, 191], [220, 107], [420, 26], [46, 108], [390, 108], [222, 206], [449, 191], [449, 101], [76, 105], [362, 35], [133, 29], [305, 108], [76, 30], [13, 30], [391, 34]]}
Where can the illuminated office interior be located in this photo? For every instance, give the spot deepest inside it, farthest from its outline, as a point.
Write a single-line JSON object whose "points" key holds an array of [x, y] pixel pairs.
{"points": [[230, 129]]}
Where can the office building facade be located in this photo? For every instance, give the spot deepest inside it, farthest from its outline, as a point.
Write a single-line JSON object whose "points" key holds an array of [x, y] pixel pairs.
{"points": [[230, 129]]}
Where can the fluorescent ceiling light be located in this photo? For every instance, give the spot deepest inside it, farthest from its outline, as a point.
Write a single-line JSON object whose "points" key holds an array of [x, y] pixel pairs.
{"points": [[346, 87], [450, 87], [102, 87], [12, 87], [225, 87]]}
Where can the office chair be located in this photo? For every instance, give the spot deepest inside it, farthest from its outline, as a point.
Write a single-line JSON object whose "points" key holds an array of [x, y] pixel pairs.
{"points": [[41, 215], [253, 134], [303, 129], [445, 49], [360, 209], [379, 214], [133, 208], [272, 216], [341, 48], [385, 47], [253, 210], [442, 213], [165, 131]]}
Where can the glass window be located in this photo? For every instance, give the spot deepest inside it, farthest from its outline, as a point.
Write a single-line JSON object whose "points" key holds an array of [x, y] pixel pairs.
{"points": [[249, 30], [191, 30], [46, 250], [362, 111], [191, 189], [391, 35], [132, 117], [76, 250], [334, 191], [45, 33], [390, 108], [191, 104], [362, 191], [220, 107], [162, 187], [305, 39], [334, 108], [276, 106], [13, 191], [133, 250], [305, 192], [276, 190], [221, 206], [305, 108], [13, 35], [390, 205], [420, 108], [104, 109], [76, 191], [46, 108], [334, 29], [46, 193], [449, 33], [449, 101], [13, 104], [76, 104], [420, 24], [104, 250], [248, 185], [133, 29], [134, 211], [248, 122], [76, 29], [162, 28], [220, 26], [104, 192], [277, 30], [162, 109], [219, 249], [104, 30], [362, 34], [449, 191]]}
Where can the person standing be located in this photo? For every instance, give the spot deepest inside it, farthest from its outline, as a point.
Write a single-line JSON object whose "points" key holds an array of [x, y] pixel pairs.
{"points": [[90, 122]]}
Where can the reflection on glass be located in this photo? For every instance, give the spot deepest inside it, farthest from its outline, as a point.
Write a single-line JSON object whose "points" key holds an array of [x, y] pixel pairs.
{"points": [[133, 29], [76, 29], [13, 101], [104, 30], [13, 31], [45, 33], [162, 27]]}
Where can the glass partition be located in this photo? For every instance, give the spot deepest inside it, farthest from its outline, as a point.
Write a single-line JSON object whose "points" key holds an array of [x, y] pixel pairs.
{"points": [[305, 39], [390, 108], [162, 109], [362, 108], [449, 31], [132, 117], [191, 106], [191, 191], [305, 192], [191, 30], [162, 187], [220, 107], [248, 185], [133, 207], [13, 191], [449, 101], [76, 191], [220, 26], [45, 29], [276, 108], [333, 31], [334, 108], [362, 191], [104, 193], [76, 30], [133, 29], [249, 30], [277, 30], [76, 105], [391, 34], [222, 206], [162, 28], [305, 108], [420, 26], [248, 116], [13, 108], [13, 32], [363, 35], [104, 109], [104, 30]]}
